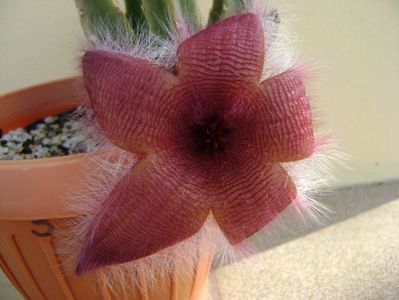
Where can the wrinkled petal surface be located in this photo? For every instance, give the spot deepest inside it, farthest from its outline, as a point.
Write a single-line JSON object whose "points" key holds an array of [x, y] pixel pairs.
{"points": [[252, 192], [131, 99], [161, 202], [211, 137], [281, 119], [226, 55]]}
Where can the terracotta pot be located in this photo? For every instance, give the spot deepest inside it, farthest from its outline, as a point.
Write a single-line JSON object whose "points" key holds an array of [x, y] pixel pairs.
{"points": [[32, 206]]}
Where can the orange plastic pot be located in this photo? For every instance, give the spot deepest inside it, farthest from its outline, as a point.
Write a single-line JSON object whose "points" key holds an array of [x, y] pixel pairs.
{"points": [[32, 206]]}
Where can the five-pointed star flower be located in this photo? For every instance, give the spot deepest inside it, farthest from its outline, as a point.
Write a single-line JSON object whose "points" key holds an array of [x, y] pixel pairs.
{"points": [[211, 135]]}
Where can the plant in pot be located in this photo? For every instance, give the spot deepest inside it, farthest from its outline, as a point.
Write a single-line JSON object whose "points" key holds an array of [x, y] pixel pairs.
{"points": [[194, 139]]}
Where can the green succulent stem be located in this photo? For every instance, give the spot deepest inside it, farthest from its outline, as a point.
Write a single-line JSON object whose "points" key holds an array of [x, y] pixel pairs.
{"points": [[96, 13], [190, 12], [135, 14], [159, 15], [224, 8], [216, 11]]}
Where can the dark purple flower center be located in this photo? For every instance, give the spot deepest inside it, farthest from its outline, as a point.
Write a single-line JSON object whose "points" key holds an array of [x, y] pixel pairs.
{"points": [[211, 135]]}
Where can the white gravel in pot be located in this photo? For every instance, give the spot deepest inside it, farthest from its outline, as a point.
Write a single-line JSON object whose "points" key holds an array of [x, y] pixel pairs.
{"points": [[59, 135]]}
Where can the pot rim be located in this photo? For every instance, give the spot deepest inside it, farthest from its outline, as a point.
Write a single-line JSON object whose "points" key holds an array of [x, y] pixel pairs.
{"points": [[38, 162], [33, 189], [37, 86]]}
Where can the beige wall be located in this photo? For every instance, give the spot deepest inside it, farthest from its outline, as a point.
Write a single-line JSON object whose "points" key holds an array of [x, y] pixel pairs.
{"points": [[357, 92]]}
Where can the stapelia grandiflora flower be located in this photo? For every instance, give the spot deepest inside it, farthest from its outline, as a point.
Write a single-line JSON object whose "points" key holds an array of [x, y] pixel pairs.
{"points": [[211, 136]]}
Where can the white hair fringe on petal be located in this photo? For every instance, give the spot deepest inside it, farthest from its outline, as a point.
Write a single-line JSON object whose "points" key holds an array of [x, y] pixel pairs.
{"points": [[110, 163]]}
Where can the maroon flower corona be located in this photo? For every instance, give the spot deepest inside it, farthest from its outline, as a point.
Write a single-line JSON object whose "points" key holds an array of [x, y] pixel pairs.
{"points": [[211, 136]]}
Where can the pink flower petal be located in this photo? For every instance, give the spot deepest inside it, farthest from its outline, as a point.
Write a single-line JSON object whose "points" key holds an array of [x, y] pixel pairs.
{"points": [[252, 193], [162, 201], [226, 55], [131, 99], [281, 119], [167, 197]]}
